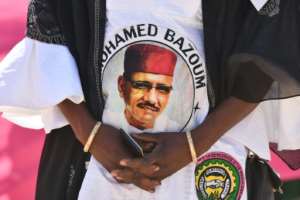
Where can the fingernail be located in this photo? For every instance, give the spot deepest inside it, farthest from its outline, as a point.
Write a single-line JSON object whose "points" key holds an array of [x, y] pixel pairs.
{"points": [[113, 173], [119, 178], [157, 168], [123, 162]]}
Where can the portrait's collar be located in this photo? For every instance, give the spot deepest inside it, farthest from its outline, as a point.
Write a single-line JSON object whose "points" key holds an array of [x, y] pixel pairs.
{"points": [[258, 4]]}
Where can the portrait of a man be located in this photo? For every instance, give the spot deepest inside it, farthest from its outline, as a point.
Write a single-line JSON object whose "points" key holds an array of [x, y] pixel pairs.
{"points": [[146, 84]]}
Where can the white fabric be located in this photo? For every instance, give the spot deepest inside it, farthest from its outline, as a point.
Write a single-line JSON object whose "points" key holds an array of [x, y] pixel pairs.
{"points": [[98, 182], [275, 121], [251, 132], [258, 4], [282, 121], [238, 152], [34, 78], [184, 19]]}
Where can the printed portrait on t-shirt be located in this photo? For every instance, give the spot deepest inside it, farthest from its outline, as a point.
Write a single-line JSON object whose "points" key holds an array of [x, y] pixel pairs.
{"points": [[146, 83], [149, 86]]}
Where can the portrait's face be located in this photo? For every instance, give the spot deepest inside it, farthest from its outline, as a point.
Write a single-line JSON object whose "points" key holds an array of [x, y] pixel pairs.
{"points": [[146, 95]]}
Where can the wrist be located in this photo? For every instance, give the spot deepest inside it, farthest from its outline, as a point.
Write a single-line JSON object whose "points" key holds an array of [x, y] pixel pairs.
{"points": [[185, 155], [92, 136], [201, 141], [83, 129], [99, 139], [79, 119]]}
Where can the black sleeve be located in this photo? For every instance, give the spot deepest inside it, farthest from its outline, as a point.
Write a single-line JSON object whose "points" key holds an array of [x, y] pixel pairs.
{"points": [[265, 63], [62, 165], [252, 55], [42, 23]]}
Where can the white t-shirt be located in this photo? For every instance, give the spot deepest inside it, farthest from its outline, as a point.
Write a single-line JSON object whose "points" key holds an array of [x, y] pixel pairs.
{"points": [[134, 35], [177, 30]]}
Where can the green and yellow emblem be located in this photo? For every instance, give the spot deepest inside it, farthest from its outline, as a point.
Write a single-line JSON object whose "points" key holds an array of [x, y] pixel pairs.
{"points": [[218, 176]]}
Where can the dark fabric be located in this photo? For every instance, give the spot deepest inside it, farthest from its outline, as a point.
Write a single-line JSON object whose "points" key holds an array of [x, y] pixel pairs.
{"points": [[78, 21], [290, 157], [72, 23], [42, 23], [80, 37], [62, 166], [262, 182], [252, 55], [250, 82], [222, 21]]}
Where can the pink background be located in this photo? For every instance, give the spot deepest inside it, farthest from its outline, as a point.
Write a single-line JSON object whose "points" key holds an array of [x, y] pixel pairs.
{"points": [[19, 148]]}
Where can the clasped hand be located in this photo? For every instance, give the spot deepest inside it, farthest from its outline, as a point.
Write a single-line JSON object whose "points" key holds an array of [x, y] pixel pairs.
{"points": [[166, 153]]}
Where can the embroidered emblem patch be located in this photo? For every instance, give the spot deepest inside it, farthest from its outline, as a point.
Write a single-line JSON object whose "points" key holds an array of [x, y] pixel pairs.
{"points": [[218, 176]]}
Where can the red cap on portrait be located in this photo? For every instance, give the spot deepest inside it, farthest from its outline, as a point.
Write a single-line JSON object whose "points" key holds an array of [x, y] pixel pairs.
{"points": [[149, 58]]}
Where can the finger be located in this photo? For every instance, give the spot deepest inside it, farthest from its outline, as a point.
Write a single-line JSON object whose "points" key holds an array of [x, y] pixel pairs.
{"points": [[128, 176], [144, 166], [124, 175], [147, 184], [146, 137]]}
